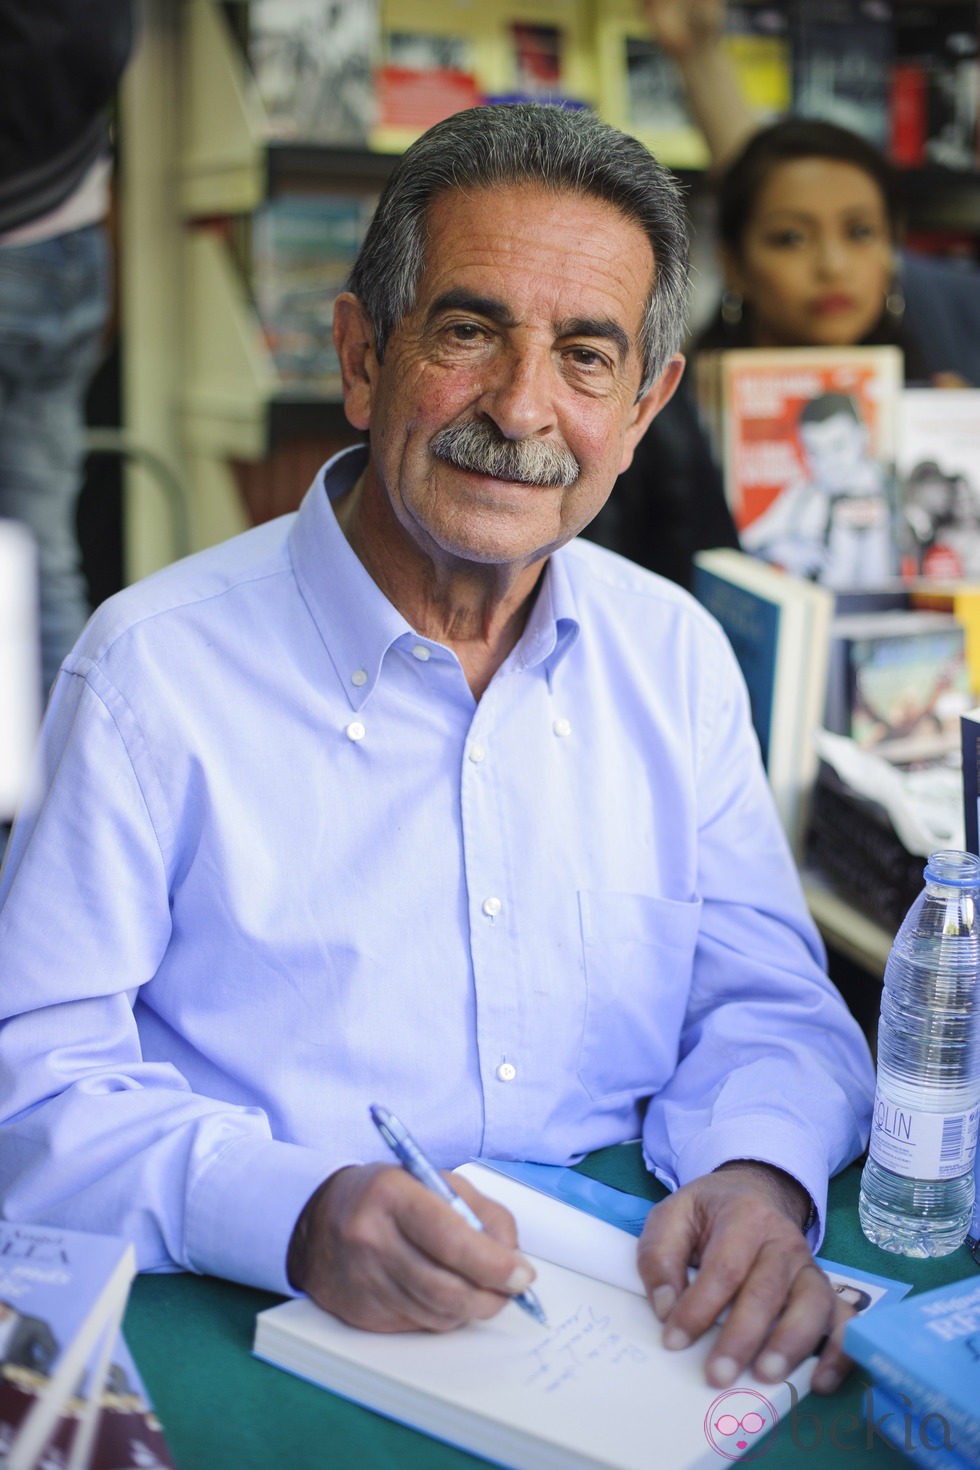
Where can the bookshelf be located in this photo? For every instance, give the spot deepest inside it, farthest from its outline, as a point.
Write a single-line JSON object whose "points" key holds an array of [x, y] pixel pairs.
{"points": [[200, 388]]}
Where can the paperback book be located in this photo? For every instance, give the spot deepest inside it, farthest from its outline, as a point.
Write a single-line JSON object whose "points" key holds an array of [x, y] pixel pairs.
{"points": [[842, 56], [592, 1388], [925, 1439], [927, 1349], [934, 84], [62, 1296], [779, 629], [640, 90], [303, 247], [939, 482], [313, 66], [898, 683], [807, 442]]}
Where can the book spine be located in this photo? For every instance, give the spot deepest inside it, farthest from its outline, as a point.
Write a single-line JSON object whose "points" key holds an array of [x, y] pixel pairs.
{"points": [[924, 1439], [928, 1399], [970, 742]]}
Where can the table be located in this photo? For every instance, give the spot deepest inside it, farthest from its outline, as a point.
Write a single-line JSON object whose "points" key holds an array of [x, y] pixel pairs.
{"points": [[224, 1410]]}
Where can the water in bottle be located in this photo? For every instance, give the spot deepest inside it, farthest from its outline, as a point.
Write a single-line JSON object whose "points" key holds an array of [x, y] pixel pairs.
{"points": [[917, 1188]]}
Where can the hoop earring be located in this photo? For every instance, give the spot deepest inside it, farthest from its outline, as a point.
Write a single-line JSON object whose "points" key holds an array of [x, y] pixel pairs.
{"points": [[731, 308], [895, 301]]}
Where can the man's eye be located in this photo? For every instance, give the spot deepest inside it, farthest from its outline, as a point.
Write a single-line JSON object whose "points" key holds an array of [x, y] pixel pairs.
{"points": [[587, 357], [466, 331]]}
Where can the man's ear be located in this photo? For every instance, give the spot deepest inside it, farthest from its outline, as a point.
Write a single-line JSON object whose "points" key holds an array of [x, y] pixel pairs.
{"points": [[645, 409], [353, 338]]}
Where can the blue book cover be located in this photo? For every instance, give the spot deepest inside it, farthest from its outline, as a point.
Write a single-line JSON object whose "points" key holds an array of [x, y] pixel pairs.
{"points": [[925, 1439], [928, 1349], [752, 622]]}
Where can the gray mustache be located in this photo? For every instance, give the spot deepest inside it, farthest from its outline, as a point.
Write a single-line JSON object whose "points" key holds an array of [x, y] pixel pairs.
{"points": [[478, 447]]}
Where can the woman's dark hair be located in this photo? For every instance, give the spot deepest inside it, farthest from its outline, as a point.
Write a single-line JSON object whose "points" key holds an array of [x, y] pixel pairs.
{"points": [[783, 142]]}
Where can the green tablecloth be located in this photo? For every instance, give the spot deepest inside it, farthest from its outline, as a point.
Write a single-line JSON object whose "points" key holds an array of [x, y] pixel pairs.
{"points": [[223, 1410]]}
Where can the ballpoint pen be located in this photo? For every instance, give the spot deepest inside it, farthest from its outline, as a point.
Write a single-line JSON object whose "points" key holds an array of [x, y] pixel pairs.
{"points": [[412, 1159]]}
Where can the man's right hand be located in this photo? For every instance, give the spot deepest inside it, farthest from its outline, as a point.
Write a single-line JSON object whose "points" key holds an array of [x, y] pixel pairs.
{"points": [[378, 1250]]}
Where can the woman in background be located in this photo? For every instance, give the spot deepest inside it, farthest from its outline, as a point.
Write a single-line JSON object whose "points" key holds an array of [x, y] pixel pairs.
{"points": [[808, 226]]}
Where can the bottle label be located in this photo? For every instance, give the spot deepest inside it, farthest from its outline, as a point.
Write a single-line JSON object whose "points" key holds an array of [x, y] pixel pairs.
{"points": [[920, 1145]]}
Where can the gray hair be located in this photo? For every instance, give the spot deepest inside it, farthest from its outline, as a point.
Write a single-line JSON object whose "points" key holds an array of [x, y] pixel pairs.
{"points": [[526, 143]]}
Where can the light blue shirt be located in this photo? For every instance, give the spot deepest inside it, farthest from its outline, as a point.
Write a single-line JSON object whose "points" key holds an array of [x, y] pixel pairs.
{"points": [[283, 865]]}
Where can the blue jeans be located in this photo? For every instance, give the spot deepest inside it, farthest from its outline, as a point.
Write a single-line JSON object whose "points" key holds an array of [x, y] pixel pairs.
{"points": [[54, 301]]}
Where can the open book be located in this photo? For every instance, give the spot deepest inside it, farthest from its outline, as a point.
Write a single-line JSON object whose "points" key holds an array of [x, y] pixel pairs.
{"points": [[593, 1388]]}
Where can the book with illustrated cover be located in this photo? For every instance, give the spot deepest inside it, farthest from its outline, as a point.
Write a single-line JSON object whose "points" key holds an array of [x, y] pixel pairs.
{"points": [[20, 655], [425, 75], [898, 683], [927, 1349], [127, 1433], [842, 52], [639, 89], [539, 51], [313, 64], [62, 1296], [934, 84], [442, 57], [303, 247], [807, 442], [779, 629], [939, 482], [594, 1387]]}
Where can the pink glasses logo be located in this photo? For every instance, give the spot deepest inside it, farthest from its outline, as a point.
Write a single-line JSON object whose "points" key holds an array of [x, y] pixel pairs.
{"points": [[737, 1421]]}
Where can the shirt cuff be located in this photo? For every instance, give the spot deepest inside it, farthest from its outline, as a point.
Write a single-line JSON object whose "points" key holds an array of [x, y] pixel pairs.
{"points": [[242, 1209], [760, 1141]]}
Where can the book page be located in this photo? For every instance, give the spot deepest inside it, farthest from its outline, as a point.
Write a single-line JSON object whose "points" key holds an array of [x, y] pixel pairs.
{"points": [[594, 1387], [548, 1228]]}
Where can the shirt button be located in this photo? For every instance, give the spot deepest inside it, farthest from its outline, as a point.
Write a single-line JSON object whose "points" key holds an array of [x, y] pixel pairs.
{"points": [[359, 677], [562, 727], [355, 730], [492, 907], [422, 653], [506, 1072], [477, 753]]}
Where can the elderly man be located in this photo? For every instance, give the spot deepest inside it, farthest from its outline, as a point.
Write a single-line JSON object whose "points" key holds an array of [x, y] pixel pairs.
{"points": [[413, 798]]}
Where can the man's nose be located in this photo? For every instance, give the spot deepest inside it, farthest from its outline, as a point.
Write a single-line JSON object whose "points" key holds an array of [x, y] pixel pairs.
{"points": [[520, 396]]}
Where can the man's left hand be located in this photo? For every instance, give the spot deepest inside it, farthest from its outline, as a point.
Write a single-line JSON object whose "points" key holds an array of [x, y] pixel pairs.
{"points": [[742, 1227]]}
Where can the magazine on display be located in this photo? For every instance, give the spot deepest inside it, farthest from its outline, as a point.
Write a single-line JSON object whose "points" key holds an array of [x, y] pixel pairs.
{"points": [[807, 442], [939, 482]]}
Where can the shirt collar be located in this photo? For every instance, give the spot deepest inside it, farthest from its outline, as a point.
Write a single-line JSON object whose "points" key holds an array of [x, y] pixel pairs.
{"points": [[357, 622]]}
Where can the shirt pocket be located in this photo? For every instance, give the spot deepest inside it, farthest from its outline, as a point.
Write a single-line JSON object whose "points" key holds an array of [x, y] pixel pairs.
{"points": [[638, 954]]}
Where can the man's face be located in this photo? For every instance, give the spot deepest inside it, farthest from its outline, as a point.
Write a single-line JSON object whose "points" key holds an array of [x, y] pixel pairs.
{"points": [[834, 450], [525, 326]]}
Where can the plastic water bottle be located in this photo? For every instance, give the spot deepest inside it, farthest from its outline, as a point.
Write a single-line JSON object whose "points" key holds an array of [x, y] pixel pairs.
{"points": [[917, 1189]]}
